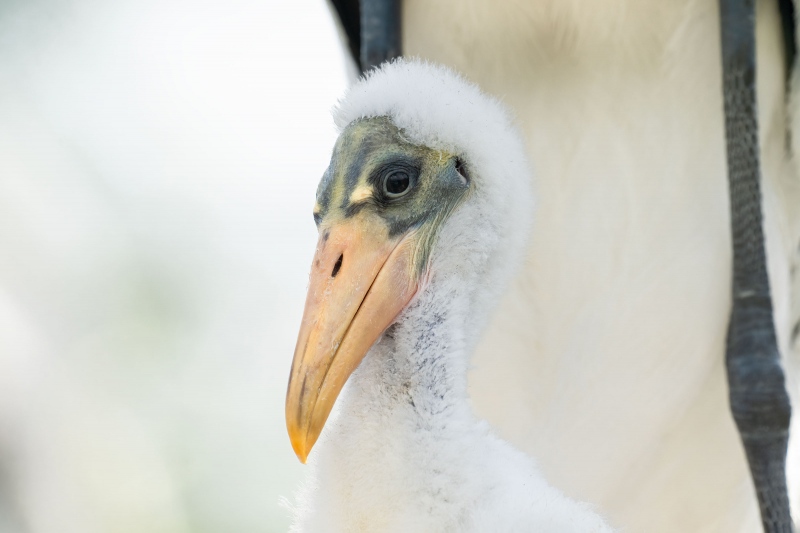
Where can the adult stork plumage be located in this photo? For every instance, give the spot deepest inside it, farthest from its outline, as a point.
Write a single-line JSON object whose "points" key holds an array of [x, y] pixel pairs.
{"points": [[612, 371], [423, 216]]}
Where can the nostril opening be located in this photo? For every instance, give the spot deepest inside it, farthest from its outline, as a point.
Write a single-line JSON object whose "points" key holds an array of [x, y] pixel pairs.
{"points": [[337, 266]]}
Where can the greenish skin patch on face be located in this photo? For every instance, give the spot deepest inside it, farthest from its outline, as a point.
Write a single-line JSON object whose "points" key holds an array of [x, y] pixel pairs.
{"points": [[377, 173]]}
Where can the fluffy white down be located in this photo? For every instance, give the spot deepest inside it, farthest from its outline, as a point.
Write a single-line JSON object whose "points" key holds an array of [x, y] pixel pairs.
{"points": [[403, 451]]}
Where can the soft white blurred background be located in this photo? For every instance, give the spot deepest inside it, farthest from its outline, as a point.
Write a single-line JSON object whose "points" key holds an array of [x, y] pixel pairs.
{"points": [[158, 161]]}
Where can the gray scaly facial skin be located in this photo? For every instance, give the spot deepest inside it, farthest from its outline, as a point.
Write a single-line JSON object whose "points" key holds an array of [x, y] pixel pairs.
{"points": [[370, 159]]}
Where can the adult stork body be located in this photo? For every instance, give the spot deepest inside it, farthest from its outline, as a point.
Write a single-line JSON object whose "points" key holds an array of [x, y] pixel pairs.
{"points": [[605, 361]]}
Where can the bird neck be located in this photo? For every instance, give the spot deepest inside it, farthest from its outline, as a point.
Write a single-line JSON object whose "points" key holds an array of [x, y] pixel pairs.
{"points": [[404, 419], [419, 367], [413, 382]]}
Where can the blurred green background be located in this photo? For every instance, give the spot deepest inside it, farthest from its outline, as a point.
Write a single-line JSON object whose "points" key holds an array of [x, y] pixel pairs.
{"points": [[158, 162]]}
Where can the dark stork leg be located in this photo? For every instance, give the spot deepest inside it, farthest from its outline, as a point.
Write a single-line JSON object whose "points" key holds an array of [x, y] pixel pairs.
{"points": [[373, 30], [380, 32], [758, 398]]}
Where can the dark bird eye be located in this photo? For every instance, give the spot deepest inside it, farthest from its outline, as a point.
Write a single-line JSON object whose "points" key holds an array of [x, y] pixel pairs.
{"points": [[397, 183]]}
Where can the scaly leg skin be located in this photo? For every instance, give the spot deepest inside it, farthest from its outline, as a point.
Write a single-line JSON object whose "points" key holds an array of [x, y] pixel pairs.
{"points": [[759, 401]]}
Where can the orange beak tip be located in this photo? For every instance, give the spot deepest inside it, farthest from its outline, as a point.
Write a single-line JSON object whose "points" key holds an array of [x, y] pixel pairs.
{"points": [[300, 450]]}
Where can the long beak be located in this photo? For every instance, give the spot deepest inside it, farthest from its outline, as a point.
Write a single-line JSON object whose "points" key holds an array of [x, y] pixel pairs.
{"points": [[360, 281]]}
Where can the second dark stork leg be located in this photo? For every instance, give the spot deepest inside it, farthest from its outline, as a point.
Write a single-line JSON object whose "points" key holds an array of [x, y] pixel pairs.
{"points": [[758, 399]]}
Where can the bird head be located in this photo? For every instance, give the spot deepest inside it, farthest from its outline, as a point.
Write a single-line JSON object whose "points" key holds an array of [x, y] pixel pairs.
{"points": [[428, 176]]}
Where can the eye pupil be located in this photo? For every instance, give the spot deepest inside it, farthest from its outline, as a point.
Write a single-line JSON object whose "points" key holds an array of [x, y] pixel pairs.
{"points": [[397, 183]]}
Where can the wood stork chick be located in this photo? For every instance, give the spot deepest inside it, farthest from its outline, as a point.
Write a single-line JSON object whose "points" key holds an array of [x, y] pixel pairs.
{"points": [[423, 217]]}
